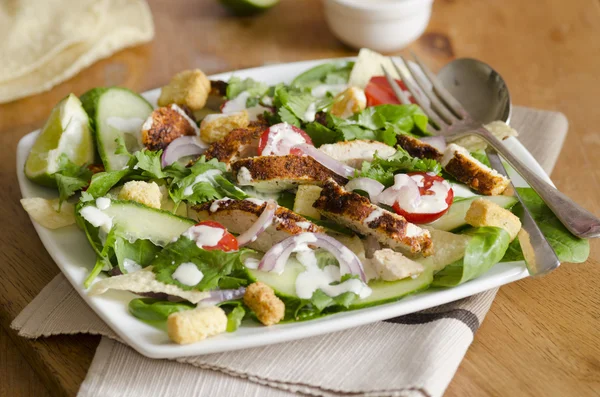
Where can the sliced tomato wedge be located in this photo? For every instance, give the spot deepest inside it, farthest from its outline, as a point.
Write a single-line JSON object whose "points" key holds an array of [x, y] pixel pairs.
{"points": [[379, 92], [227, 243], [279, 139], [425, 211]]}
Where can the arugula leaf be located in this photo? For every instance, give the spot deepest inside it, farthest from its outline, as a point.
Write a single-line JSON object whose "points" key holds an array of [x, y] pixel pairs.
{"points": [[486, 248], [567, 247], [236, 86], [149, 162], [228, 189], [150, 309], [213, 264], [327, 73], [102, 182], [140, 251], [94, 273]]}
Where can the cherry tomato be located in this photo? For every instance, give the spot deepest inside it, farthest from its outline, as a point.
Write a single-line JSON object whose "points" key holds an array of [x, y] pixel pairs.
{"points": [[379, 92], [227, 243], [425, 190], [282, 147]]}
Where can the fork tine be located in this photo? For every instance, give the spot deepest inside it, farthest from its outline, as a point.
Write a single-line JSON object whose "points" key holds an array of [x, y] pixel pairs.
{"points": [[438, 123], [452, 103], [417, 79], [404, 98]]}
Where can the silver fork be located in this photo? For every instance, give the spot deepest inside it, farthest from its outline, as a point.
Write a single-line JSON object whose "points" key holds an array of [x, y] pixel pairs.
{"points": [[448, 118], [539, 255]]}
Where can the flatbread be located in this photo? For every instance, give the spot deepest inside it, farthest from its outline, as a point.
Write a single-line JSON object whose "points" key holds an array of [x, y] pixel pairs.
{"points": [[128, 23], [33, 31]]}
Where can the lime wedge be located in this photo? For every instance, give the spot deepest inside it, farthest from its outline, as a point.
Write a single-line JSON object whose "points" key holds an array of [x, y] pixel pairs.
{"points": [[248, 7], [66, 131]]}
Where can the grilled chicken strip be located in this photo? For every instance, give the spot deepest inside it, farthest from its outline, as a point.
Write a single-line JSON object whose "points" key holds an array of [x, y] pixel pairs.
{"points": [[238, 215], [166, 124], [357, 213], [277, 173], [239, 143], [418, 148]]}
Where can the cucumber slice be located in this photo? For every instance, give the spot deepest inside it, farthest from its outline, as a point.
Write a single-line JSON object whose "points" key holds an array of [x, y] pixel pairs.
{"points": [[455, 217], [390, 291], [138, 222], [284, 285], [68, 132], [116, 113]]}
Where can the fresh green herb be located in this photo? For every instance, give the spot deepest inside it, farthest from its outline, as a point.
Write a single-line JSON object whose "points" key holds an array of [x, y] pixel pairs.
{"points": [[235, 317], [149, 309], [70, 178], [319, 134], [213, 264], [102, 182], [149, 162], [195, 188], [94, 273], [384, 169], [486, 248], [254, 88], [567, 247]]}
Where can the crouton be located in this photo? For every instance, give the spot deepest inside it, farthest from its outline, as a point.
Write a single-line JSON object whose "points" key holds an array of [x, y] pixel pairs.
{"points": [[483, 212], [418, 148], [261, 298], [194, 325], [165, 125], [391, 265], [305, 198], [147, 193], [346, 103], [217, 126], [189, 88], [458, 162]]}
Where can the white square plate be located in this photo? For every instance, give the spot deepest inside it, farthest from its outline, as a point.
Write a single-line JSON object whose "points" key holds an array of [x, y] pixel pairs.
{"points": [[73, 255]]}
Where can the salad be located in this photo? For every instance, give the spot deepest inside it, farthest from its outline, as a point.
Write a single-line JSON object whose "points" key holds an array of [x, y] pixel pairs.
{"points": [[237, 201]]}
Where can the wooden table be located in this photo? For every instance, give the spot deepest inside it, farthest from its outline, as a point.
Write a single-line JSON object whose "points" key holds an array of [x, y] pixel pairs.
{"points": [[541, 337]]}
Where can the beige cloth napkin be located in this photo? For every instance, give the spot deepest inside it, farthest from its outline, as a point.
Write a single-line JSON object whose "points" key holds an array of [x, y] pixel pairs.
{"points": [[412, 355], [46, 42]]}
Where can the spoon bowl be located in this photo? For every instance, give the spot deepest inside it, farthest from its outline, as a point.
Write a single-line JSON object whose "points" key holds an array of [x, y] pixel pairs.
{"points": [[479, 88]]}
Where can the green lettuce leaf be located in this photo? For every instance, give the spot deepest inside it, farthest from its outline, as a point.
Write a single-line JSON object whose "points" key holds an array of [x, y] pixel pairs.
{"points": [[141, 252], [149, 309], [236, 86], [486, 248], [213, 264], [327, 73]]}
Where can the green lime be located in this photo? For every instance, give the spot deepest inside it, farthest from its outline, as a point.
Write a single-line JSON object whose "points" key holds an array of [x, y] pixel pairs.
{"points": [[66, 131], [248, 7]]}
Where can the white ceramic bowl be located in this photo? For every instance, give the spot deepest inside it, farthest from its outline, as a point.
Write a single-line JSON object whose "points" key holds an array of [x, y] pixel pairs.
{"points": [[382, 25]]}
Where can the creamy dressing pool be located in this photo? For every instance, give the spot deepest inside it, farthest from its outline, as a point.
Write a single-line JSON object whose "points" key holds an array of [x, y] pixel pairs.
{"points": [[97, 218], [282, 138], [204, 236], [188, 274]]}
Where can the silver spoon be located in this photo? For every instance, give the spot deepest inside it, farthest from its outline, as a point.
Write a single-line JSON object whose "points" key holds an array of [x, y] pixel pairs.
{"points": [[484, 94]]}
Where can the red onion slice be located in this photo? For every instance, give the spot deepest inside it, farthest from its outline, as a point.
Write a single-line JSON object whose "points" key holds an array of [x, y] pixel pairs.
{"points": [[371, 186], [438, 142], [222, 295], [326, 160], [262, 223], [275, 259], [181, 147]]}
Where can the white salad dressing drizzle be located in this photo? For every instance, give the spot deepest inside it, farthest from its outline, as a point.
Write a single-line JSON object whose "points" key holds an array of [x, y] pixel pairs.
{"points": [[131, 266], [188, 274], [185, 116], [375, 214], [208, 176], [281, 139], [251, 263], [102, 203], [214, 207], [303, 225], [97, 218], [311, 113], [244, 177], [315, 278], [204, 236]]}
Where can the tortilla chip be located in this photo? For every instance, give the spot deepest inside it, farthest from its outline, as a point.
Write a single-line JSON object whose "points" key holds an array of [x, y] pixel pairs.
{"points": [[45, 213], [144, 281], [447, 248]]}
